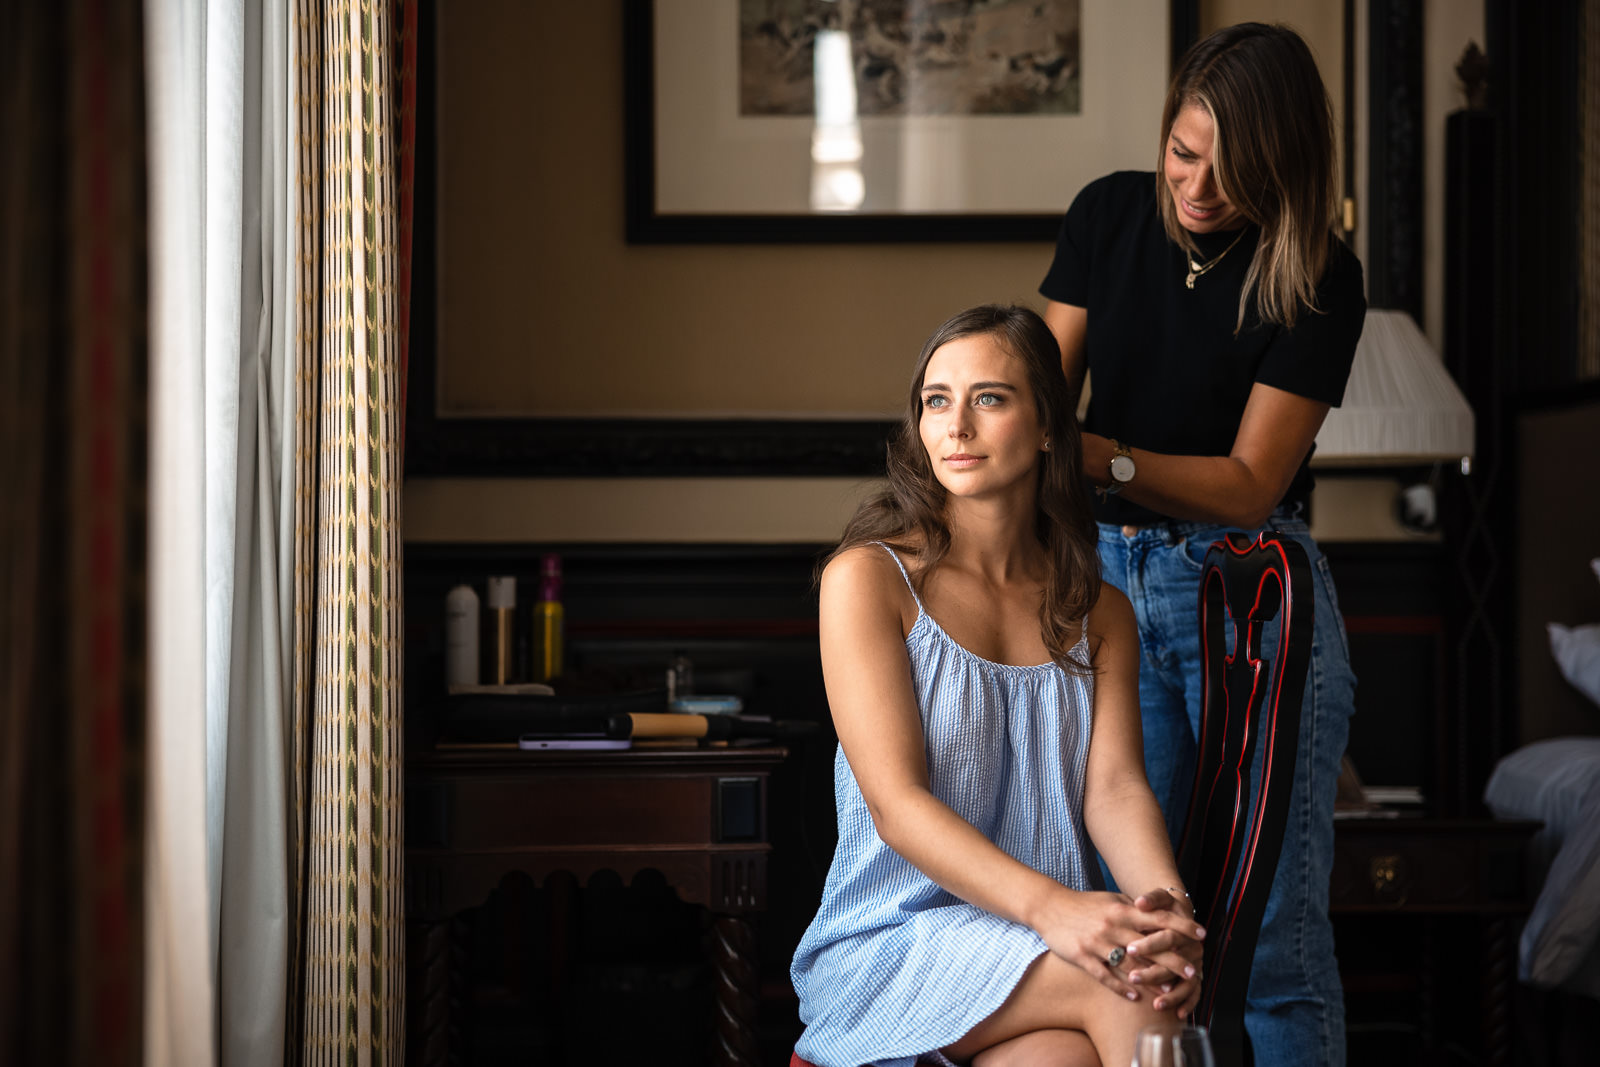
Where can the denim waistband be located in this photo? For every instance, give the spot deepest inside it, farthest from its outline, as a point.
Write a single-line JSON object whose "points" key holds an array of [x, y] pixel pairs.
{"points": [[1287, 519]]}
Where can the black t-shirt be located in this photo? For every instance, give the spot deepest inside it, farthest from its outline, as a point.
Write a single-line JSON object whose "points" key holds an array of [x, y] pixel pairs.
{"points": [[1167, 372]]}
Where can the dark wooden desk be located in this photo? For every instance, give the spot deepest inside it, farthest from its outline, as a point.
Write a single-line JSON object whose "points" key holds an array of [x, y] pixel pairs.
{"points": [[697, 815], [1425, 868]]}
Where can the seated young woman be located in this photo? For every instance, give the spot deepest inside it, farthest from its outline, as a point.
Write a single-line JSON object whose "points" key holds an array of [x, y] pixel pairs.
{"points": [[984, 686]]}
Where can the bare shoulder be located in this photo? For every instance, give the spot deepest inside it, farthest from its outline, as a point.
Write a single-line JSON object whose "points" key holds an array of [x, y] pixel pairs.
{"points": [[1110, 618], [865, 575], [864, 569]]}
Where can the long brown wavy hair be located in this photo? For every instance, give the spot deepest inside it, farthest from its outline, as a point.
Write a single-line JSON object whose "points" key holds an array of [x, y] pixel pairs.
{"points": [[1272, 156], [909, 514]]}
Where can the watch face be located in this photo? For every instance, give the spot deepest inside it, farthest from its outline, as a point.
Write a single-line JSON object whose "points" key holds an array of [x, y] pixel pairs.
{"points": [[1122, 468]]}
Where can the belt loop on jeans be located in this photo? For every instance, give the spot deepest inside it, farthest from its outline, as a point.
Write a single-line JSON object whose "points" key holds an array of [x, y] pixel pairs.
{"points": [[1285, 513]]}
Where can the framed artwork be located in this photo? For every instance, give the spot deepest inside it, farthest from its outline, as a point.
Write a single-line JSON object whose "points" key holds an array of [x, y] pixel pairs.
{"points": [[884, 120]]}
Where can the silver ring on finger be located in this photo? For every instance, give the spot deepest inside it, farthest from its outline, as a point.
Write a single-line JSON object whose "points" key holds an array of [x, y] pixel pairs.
{"points": [[1117, 956]]}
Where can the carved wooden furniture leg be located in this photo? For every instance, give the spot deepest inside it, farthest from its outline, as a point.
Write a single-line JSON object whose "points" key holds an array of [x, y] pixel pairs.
{"points": [[458, 1001], [733, 954], [428, 1004], [1499, 972], [1425, 988]]}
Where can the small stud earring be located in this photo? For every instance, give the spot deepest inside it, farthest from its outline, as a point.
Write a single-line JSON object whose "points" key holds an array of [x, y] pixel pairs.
{"points": [[1047, 446]]}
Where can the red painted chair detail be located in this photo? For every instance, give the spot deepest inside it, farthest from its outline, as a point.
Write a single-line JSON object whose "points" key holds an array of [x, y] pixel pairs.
{"points": [[1234, 830]]}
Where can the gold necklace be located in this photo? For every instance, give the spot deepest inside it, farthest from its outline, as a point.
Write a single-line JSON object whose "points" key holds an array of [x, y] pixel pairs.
{"points": [[1197, 269]]}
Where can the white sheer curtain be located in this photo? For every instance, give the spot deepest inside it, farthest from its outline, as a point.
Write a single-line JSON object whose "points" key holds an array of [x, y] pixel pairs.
{"points": [[222, 437], [179, 991]]}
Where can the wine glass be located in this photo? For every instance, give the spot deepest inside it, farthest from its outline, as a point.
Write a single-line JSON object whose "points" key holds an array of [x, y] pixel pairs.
{"points": [[1173, 1045]]}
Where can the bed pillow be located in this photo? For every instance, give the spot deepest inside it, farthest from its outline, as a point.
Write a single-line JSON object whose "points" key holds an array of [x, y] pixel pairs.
{"points": [[1577, 652], [1558, 783]]}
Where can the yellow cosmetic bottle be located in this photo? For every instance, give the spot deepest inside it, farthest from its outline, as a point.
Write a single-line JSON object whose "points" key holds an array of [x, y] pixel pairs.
{"points": [[548, 623]]}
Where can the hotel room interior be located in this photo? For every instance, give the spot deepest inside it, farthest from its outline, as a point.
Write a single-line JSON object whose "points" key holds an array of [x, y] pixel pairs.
{"points": [[242, 820]]}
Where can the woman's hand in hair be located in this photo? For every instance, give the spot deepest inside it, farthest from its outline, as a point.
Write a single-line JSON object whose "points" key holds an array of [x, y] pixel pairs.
{"points": [[1070, 325]]}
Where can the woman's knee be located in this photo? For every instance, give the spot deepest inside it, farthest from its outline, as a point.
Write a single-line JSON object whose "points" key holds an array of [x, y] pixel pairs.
{"points": [[1055, 995], [1041, 1048]]}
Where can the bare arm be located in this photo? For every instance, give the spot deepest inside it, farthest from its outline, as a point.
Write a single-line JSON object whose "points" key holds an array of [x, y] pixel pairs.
{"points": [[863, 619], [1239, 489], [1120, 811]]}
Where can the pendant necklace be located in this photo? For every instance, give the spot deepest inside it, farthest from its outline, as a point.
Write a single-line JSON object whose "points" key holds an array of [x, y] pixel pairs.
{"points": [[1197, 269]]}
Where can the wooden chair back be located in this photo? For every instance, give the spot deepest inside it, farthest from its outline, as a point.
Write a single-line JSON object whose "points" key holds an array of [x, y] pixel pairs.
{"points": [[1234, 829]]}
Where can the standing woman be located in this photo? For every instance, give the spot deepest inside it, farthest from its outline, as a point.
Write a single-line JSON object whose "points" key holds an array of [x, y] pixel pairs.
{"points": [[1218, 314]]}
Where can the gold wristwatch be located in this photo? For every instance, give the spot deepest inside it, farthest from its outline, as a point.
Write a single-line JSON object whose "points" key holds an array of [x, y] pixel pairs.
{"points": [[1122, 468]]}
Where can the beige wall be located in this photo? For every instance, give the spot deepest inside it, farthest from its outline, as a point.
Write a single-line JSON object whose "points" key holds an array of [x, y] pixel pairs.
{"points": [[546, 310], [662, 510]]}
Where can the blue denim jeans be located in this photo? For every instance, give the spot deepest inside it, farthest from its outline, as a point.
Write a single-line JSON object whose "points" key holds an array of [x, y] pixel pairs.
{"points": [[1295, 1009]]}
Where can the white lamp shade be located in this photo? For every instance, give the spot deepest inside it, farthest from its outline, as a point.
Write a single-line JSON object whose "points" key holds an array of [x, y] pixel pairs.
{"points": [[1400, 407]]}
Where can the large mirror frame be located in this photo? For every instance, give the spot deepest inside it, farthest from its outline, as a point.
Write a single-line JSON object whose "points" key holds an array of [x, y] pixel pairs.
{"points": [[464, 446]]}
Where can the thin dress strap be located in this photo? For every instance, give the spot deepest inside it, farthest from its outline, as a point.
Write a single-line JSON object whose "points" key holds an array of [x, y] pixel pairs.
{"points": [[903, 573]]}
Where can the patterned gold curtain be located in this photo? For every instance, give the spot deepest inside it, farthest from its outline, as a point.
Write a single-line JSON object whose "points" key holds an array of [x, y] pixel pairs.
{"points": [[348, 991], [73, 365]]}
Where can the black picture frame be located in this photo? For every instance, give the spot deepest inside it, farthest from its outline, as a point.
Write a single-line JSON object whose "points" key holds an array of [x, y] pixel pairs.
{"points": [[521, 447], [645, 225]]}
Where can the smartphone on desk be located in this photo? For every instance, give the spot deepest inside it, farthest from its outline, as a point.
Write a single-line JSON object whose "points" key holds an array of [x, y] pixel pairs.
{"points": [[555, 741]]}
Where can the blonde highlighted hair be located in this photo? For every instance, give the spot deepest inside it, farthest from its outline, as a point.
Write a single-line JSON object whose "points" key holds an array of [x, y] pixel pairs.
{"points": [[1272, 157]]}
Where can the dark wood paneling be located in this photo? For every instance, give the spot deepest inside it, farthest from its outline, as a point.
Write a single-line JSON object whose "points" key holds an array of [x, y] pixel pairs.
{"points": [[1535, 49], [1393, 598], [1394, 179]]}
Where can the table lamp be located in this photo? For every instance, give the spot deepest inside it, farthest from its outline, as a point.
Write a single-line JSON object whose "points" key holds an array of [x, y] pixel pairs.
{"points": [[1401, 409]]}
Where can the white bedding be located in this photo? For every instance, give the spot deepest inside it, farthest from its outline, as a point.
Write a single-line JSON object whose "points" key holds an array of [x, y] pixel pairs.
{"points": [[1558, 783]]}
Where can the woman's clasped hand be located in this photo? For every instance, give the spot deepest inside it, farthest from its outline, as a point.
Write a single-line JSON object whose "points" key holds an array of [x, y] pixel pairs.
{"points": [[1161, 944]]}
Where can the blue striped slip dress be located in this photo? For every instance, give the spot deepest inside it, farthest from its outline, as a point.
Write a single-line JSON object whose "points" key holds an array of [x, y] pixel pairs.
{"points": [[894, 968]]}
